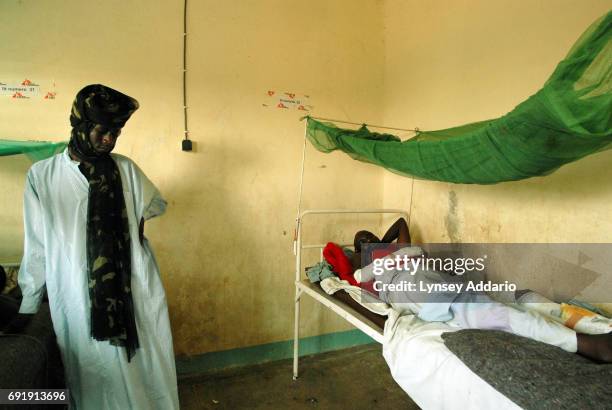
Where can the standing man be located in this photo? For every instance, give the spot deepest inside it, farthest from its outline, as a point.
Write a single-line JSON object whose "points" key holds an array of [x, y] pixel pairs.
{"points": [[84, 213]]}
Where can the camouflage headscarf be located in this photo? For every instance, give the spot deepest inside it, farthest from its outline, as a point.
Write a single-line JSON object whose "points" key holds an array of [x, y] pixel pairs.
{"points": [[108, 236], [97, 104]]}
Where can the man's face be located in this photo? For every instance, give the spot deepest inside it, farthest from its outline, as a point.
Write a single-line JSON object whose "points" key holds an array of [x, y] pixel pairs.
{"points": [[103, 138]]}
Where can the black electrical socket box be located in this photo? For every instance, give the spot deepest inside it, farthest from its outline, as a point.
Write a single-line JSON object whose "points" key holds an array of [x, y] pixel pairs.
{"points": [[187, 145]]}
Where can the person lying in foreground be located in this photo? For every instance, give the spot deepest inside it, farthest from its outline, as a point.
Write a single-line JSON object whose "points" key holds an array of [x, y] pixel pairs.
{"points": [[465, 309]]}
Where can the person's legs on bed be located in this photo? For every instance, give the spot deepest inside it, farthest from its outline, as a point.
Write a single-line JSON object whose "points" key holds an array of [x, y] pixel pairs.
{"points": [[473, 311], [477, 311]]}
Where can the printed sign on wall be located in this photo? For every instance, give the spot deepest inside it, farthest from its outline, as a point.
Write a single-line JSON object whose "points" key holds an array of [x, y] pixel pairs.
{"points": [[25, 89], [287, 101]]}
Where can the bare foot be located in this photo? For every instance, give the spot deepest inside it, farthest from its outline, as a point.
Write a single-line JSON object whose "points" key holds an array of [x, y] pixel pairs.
{"points": [[598, 347]]}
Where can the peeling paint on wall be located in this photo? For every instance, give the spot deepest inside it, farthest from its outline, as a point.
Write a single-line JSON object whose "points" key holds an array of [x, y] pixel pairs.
{"points": [[451, 221]]}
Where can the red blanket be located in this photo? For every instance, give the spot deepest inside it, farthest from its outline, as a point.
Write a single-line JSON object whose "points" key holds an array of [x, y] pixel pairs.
{"points": [[334, 255]]}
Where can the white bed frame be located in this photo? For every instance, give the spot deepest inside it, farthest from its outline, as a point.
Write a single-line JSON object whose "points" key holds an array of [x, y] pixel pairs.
{"points": [[303, 286]]}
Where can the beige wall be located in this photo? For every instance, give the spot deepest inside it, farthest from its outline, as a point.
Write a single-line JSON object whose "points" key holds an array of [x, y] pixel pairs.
{"points": [[452, 62], [225, 244], [224, 247]]}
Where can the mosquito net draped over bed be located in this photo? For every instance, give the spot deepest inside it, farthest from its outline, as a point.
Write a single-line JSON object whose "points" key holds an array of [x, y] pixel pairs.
{"points": [[569, 118], [34, 150]]}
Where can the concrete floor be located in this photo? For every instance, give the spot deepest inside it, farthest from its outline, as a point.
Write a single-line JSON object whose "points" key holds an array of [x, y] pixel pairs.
{"points": [[356, 378]]}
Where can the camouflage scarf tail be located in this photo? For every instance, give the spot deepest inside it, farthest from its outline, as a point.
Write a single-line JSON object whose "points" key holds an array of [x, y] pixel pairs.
{"points": [[108, 236], [109, 257]]}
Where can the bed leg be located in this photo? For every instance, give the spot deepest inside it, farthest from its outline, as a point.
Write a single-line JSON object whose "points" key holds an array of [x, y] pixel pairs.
{"points": [[296, 333]]}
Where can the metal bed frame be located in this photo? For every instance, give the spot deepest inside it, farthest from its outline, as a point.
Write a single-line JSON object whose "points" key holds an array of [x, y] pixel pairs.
{"points": [[303, 286]]}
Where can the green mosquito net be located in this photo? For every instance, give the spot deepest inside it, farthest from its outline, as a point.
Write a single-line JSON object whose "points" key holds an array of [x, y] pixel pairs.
{"points": [[569, 118], [34, 150]]}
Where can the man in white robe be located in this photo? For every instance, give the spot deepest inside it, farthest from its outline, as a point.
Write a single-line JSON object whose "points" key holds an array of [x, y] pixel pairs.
{"points": [[99, 374]]}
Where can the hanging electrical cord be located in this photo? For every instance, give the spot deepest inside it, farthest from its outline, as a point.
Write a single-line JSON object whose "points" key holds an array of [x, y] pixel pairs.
{"points": [[186, 145]]}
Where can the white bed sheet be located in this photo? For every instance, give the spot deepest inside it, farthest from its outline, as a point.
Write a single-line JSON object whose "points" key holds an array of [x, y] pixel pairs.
{"points": [[430, 373]]}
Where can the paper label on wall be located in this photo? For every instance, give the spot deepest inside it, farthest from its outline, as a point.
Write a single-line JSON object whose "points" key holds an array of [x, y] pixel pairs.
{"points": [[23, 89], [287, 101]]}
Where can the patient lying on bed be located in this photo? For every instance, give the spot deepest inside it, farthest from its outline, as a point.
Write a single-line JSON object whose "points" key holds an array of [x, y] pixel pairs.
{"points": [[461, 308]]}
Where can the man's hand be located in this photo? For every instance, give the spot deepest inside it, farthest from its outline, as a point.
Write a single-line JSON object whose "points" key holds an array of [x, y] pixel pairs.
{"points": [[18, 323]]}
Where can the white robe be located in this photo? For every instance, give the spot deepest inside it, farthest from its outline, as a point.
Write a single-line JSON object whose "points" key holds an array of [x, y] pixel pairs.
{"points": [[55, 215]]}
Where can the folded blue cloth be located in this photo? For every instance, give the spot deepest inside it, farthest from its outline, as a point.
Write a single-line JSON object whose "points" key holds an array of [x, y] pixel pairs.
{"points": [[319, 272]]}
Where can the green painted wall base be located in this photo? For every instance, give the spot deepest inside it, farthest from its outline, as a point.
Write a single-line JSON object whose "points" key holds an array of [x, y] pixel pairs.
{"points": [[269, 352]]}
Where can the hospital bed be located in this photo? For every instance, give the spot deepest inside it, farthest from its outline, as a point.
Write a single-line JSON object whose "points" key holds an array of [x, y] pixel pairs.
{"points": [[419, 361], [304, 287]]}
